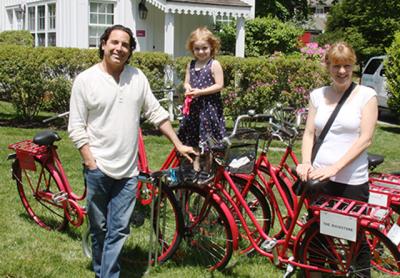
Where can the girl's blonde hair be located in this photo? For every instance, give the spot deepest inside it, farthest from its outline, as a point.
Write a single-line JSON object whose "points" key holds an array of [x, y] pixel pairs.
{"points": [[202, 33], [340, 52]]}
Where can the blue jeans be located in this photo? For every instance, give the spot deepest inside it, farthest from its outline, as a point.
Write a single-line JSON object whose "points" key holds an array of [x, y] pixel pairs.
{"points": [[110, 203]]}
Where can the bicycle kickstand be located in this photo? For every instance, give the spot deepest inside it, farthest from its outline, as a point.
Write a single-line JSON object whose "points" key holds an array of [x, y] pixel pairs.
{"points": [[289, 269]]}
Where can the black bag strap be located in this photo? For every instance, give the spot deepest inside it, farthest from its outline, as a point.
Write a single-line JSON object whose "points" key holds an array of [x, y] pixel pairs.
{"points": [[329, 123]]}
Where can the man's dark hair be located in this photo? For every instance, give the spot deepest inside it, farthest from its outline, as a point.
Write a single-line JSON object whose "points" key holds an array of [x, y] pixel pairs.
{"points": [[106, 35]]}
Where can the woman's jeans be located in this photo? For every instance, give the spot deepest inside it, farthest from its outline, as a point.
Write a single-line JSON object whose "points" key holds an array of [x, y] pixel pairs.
{"points": [[110, 203]]}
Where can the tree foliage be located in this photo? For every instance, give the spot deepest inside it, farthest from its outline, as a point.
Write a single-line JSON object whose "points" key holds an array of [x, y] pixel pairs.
{"points": [[264, 36], [392, 65], [283, 9], [368, 25]]}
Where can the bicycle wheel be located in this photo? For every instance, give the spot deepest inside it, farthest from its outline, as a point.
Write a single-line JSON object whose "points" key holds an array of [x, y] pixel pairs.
{"points": [[384, 254], [171, 225], [330, 254], [36, 190], [208, 234], [170, 228], [260, 208]]}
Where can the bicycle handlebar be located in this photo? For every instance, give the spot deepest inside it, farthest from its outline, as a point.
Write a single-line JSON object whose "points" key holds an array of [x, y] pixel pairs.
{"points": [[62, 115], [250, 115]]}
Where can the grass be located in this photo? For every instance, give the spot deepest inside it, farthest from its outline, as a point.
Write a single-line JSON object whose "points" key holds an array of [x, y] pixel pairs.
{"points": [[26, 250]]}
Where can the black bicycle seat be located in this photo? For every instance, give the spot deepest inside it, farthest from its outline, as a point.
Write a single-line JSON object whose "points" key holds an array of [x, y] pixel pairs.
{"points": [[374, 160], [310, 187], [46, 138]]}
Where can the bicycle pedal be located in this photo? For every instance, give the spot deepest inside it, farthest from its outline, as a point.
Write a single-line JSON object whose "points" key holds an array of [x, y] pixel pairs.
{"points": [[268, 245], [60, 197]]}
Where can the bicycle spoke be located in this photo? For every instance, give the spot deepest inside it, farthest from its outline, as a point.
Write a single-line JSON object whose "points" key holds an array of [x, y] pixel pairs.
{"points": [[36, 190]]}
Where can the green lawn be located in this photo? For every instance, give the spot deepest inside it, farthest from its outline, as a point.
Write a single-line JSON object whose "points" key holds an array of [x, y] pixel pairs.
{"points": [[26, 250]]}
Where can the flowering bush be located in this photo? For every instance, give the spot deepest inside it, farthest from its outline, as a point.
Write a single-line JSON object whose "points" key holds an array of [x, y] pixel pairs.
{"points": [[261, 83], [314, 51]]}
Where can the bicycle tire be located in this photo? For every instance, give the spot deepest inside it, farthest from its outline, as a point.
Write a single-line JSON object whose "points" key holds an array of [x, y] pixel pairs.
{"points": [[205, 218], [171, 224], [168, 244], [330, 254], [261, 209], [384, 254], [41, 209]]}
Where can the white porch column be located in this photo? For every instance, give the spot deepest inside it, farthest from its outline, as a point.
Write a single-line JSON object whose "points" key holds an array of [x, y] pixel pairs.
{"points": [[240, 35], [169, 28]]}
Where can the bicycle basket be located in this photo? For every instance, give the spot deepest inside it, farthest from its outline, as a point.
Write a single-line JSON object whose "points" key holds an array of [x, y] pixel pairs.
{"points": [[241, 155], [26, 150]]}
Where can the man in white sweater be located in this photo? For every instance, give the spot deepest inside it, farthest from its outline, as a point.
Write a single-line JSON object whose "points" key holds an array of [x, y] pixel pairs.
{"points": [[106, 102]]}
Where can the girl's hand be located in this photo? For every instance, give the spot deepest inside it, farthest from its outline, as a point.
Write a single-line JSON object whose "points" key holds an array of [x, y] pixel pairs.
{"points": [[188, 88], [187, 151], [303, 170], [193, 93], [323, 173]]}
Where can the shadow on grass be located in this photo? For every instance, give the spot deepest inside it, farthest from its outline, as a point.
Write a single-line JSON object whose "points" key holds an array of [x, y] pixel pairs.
{"points": [[71, 232], [6, 120], [134, 262], [391, 129]]}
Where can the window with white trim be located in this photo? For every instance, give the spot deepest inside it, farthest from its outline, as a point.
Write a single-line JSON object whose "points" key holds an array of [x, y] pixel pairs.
{"points": [[101, 16], [10, 17], [42, 23], [223, 19], [41, 17], [51, 16], [14, 17], [31, 18]]}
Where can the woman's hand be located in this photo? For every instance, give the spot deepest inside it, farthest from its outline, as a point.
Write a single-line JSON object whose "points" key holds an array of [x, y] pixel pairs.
{"points": [[303, 170], [323, 173]]}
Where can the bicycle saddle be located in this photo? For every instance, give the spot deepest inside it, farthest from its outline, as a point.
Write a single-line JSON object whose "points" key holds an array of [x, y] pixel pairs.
{"points": [[46, 138], [311, 187], [374, 160]]}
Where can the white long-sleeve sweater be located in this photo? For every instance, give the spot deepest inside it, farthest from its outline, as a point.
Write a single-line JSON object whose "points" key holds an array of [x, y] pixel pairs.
{"points": [[106, 115]]}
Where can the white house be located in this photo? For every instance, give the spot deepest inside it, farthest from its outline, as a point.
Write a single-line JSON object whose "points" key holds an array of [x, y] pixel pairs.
{"points": [[159, 25]]}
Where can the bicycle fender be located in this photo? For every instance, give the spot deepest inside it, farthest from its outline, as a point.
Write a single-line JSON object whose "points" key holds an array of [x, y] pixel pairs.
{"points": [[231, 220]]}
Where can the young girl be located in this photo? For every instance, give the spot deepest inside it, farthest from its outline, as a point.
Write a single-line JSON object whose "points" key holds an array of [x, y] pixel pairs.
{"points": [[203, 111]]}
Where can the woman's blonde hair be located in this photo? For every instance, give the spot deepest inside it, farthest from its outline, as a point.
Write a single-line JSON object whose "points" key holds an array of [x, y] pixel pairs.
{"points": [[202, 33], [340, 52]]}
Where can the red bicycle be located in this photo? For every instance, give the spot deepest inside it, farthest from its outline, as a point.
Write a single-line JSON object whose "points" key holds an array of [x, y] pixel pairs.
{"points": [[49, 200], [216, 225]]}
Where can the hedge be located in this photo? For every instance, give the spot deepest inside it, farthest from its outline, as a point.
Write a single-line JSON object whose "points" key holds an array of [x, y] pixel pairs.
{"points": [[21, 37], [261, 83], [36, 79]]}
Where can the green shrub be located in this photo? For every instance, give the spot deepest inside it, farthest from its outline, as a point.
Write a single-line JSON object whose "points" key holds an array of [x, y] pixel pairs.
{"points": [[392, 65], [62, 65], [264, 36], [152, 64], [259, 83], [23, 80], [22, 37], [34, 79]]}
